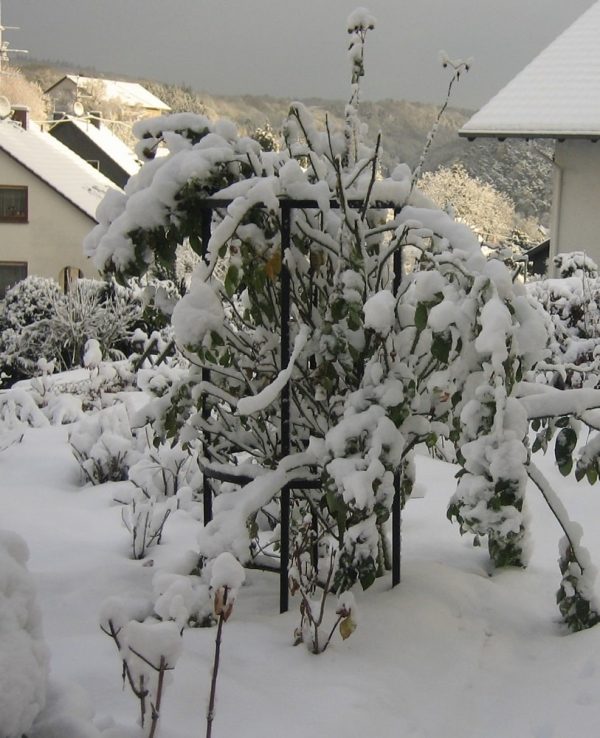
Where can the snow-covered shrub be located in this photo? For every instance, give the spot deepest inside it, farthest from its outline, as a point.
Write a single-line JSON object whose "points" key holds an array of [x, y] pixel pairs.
{"points": [[184, 599], [56, 326], [104, 445], [573, 307], [163, 470], [23, 652], [26, 305], [162, 478], [575, 264], [379, 360], [370, 374], [145, 520], [96, 310], [19, 408], [148, 649]]}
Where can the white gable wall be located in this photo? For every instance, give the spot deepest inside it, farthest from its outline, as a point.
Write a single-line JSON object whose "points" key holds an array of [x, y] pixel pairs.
{"points": [[52, 239], [576, 200]]}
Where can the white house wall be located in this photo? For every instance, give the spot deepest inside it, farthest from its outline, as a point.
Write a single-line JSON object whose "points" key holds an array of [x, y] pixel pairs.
{"points": [[52, 238], [576, 216]]}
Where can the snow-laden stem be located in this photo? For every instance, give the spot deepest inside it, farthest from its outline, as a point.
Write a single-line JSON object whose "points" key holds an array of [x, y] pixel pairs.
{"points": [[458, 69], [554, 503], [140, 692], [210, 714]]}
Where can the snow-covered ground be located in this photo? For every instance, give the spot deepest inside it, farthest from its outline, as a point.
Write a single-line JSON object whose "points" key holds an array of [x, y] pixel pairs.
{"points": [[451, 652]]}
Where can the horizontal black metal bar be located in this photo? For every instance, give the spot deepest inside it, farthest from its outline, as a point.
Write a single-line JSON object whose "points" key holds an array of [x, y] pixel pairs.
{"points": [[209, 203], [223, 476]]}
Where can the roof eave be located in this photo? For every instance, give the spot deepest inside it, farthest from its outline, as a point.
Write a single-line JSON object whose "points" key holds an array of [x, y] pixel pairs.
{"points": [[528, 135]]}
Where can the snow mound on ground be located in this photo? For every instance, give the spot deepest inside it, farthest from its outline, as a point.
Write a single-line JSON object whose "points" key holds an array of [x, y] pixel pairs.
{"points": [[23, 652]]}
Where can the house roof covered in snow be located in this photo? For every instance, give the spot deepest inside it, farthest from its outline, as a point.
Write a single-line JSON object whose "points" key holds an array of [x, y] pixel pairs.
{"points": [[102, 137], [127, 93], [56, 165], [556, 96]]}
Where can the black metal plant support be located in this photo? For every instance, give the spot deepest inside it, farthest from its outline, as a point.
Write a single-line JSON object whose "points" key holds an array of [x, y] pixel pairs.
{"points": [[287, 207]]}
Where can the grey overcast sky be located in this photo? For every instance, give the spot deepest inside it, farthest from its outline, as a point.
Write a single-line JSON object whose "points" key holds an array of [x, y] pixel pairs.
{"points": [[294, 48]]}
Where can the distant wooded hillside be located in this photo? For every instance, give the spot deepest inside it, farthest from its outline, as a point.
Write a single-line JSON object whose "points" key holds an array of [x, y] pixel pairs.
{"points": [[516, 168]]}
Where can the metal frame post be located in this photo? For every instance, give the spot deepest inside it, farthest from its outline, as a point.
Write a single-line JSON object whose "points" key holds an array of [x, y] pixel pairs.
{"points": [[286, 234], [206, 223]]}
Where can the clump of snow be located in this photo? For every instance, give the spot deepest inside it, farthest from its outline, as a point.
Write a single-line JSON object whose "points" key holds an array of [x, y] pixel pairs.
{"points": [[92, 354], [379, 312], [360, 18], [255, 403], [23, 652], [227, 572], [199, 312]]}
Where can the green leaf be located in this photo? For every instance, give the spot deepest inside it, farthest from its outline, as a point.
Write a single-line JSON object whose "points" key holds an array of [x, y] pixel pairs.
{"points": [[566, 441], [421, 314], [592, 474], [565, 469], [431, 440], [232, 279], [367, 577], [440, 348], [354, 318], [339, 310], [196, 244]]}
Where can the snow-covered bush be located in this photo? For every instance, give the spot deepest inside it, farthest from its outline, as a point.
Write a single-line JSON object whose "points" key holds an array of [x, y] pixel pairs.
{"points": [[148, 649], [145, 520], [575, 264], [104, 445], [164, 470], [162, 478], [23, 652], [40, 321], [27, 304], [93, 310], [371, 374], [573, 307], [379, 360]]}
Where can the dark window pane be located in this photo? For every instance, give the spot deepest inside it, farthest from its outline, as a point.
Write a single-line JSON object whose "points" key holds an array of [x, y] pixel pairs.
{"points": [[11, 273], [13, 203]]}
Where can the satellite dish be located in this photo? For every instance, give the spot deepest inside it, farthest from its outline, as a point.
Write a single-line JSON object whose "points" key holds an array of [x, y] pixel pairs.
{"points": [[5, 107], [78, 109]]}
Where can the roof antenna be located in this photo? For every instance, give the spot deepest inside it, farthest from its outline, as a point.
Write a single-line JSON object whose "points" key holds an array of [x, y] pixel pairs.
{"points": [[4, 50]]}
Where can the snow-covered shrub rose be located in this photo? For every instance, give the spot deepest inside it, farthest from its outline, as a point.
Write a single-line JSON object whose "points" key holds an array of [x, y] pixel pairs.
{"points": [[379, 360]]}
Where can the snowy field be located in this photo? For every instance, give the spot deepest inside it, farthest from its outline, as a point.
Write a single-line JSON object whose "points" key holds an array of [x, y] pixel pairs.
{"points": [[451, 652]]}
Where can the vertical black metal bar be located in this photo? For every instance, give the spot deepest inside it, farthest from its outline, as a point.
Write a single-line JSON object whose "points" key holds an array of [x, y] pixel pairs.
{"points": [[397, 261], [397, 503], [286, 234], [205, 233], [314, 553], [396, 530]]}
